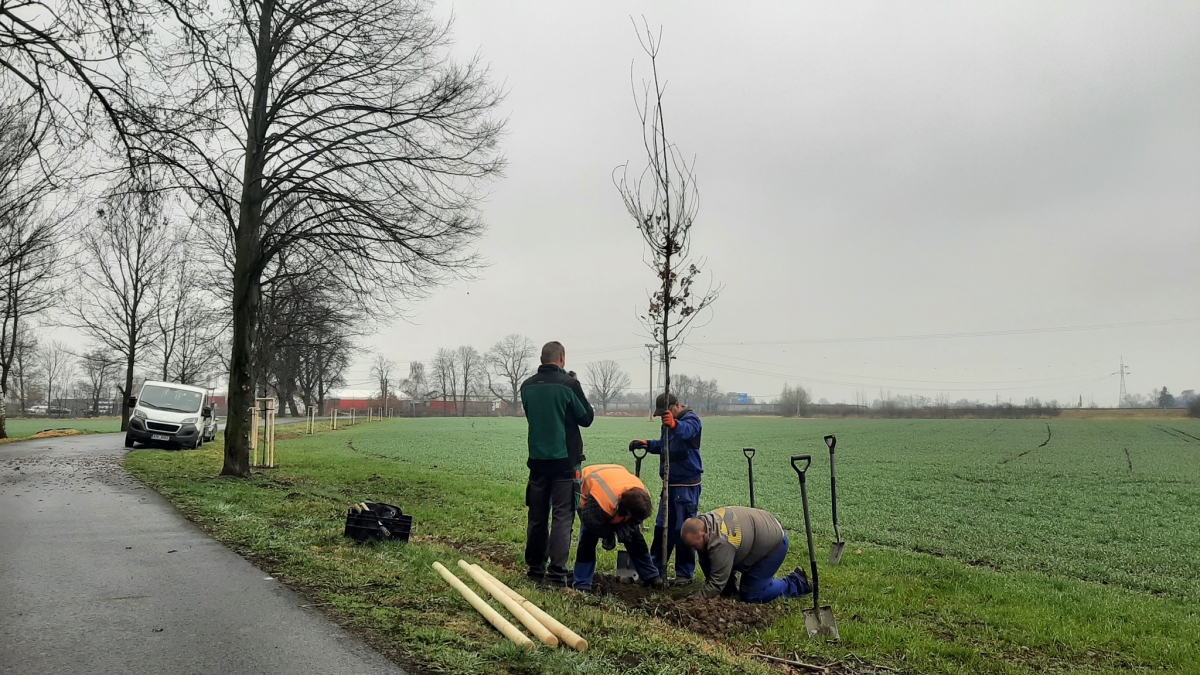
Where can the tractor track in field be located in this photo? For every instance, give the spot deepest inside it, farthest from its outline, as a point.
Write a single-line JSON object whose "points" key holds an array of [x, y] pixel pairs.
{"points": [[1194, 438], [1176, 433], [1049, 435]]}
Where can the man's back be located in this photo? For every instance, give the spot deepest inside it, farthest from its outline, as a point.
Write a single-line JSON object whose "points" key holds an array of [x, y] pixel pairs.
{"points": [[555, 408]]}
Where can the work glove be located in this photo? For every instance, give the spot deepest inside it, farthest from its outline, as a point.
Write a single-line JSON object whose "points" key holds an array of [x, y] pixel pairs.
{"points": [[637, 445], [609, 542], [626, 533], [669, 419]]}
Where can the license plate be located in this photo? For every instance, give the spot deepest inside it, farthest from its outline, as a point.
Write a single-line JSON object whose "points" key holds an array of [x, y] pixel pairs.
{"points": [[156, 437]]}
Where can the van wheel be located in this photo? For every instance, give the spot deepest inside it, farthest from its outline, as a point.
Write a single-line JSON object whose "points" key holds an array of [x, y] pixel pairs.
{"points": [[199, 441], [128, 440]]}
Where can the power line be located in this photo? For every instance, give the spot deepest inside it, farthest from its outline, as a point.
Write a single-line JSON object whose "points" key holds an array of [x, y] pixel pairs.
{"points": [[946, 336], [1046, 380]]}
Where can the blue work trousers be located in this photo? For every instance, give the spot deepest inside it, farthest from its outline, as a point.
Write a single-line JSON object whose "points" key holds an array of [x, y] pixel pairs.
{"points": [[758, 583], [685, 502]]}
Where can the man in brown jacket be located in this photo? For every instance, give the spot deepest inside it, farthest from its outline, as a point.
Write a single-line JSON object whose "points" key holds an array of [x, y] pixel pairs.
{"points": [[738, 539]]}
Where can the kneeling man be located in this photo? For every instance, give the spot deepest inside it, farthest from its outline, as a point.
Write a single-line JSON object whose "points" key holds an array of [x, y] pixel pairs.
{"points": [[613, 505], [738, 539]]}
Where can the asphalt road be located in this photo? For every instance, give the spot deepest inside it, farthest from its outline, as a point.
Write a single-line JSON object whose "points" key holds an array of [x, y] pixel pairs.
{"points": [[99, 574]]}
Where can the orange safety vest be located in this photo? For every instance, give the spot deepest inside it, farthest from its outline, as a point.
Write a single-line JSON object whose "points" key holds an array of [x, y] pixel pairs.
{"points": [[605, 483]]}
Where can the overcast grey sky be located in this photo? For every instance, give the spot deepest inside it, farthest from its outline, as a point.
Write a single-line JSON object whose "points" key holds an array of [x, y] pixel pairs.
{"points": [[865, 169]]}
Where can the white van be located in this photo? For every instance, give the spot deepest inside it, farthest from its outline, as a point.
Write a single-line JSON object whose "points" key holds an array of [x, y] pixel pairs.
{"points": [[171, 414]]}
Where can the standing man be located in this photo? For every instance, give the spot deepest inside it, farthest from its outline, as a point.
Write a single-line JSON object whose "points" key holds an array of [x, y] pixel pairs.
{"points": [[683, 492], [739, 539], [555, 408], [614, 504]]}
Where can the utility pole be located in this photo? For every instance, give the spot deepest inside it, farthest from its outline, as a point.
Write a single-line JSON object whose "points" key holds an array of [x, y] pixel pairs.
{"points": [[650, 351], [1122, 372]]}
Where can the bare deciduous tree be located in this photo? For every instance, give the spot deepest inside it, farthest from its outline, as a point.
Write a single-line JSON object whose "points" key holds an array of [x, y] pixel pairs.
{"points": [[445, 374], [188, 325], [26, 369], [58, 368], [98, 367], [793, 401], [607, 381], [471, 367], [416, 385], [509, 363], [30, 241], [125, 257], [663, 201], [381, 370], [355, 134]]}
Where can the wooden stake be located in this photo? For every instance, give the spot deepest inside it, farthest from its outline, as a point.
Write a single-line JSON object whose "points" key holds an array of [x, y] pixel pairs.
{"points": [[539, 631], [568, 636], [510, 631]]}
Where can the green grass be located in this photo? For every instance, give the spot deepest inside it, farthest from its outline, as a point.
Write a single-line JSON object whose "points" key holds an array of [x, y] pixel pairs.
{"points": [[26, 427], [981, 551]]}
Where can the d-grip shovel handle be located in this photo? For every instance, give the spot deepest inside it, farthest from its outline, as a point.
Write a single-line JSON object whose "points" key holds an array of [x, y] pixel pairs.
{"points": [[831, 441], [796, 459], [748, 452], [635, 452]]}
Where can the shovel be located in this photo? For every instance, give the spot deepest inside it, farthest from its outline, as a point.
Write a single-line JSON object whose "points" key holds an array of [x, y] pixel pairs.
{"points": [[749, 453], [835, 551], [625, 569], [819, 620]]}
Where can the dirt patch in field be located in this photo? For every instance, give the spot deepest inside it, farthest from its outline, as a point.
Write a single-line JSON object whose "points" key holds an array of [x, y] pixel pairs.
{"points": [[497, 554], [678, 607]]}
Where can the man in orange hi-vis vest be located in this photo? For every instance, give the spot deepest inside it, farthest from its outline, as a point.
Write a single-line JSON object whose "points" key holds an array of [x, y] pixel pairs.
{"points": [[613, 505]]}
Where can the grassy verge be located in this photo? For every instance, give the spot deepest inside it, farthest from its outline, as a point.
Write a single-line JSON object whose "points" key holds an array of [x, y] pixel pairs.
{"points": [[908, 611], [21, 428]]}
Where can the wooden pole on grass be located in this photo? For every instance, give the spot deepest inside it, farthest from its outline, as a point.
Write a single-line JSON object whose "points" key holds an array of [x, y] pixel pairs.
{"points": [[568, 636], [510, 631], [539, 631]]}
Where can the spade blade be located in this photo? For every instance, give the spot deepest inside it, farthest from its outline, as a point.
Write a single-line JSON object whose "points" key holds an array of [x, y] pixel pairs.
{"points": [[835, 552], [625, 566], [819, 622]]}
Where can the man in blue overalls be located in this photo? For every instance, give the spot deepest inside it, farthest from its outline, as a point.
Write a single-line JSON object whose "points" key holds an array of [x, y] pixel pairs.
{"points": [[683, 491]]}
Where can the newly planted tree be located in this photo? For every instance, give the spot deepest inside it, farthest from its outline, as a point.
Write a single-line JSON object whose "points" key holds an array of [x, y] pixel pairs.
{"points": [[663, 200]]}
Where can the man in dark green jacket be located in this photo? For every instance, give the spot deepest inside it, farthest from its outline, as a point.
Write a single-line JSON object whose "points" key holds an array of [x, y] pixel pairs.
{"points": [[555, 408]]}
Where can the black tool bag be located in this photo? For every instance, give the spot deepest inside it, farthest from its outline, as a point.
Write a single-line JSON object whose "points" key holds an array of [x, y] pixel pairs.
{"points": [[380, 522]]}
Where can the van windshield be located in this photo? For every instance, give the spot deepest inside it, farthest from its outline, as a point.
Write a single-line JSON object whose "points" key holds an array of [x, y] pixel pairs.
{"points": [[174, 400]]}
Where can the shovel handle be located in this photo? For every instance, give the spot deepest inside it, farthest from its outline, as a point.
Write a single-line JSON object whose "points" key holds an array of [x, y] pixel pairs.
{"points": [[831, 441], [635, 452], [796, 459], [748, 452]]}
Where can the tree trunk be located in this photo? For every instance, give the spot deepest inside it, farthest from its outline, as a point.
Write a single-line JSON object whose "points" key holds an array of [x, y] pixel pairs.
{"points": [[247, 266], [125, 411], [241, 374]]}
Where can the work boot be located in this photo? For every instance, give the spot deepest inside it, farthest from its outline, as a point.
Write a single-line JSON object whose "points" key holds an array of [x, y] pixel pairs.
{"points": [[535, 575], [556, 580], [656, 583], [799, 580], [681, 581]]}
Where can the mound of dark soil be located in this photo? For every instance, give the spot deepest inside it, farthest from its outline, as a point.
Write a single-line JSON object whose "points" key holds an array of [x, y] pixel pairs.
{"points": [[679, 607]]}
